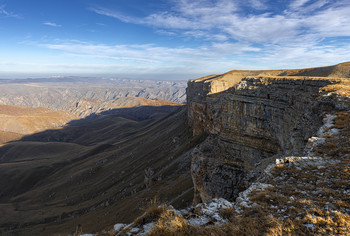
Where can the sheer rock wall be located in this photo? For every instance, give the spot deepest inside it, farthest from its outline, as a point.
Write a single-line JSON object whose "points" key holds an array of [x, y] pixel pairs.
{"points": [[250, 121]]}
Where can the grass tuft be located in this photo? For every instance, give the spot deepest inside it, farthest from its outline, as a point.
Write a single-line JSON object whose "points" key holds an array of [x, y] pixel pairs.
{"points": [[170, 223]]}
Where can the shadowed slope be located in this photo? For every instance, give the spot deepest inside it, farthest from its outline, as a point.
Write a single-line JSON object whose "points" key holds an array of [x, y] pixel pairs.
{"points": [[95, 181]]}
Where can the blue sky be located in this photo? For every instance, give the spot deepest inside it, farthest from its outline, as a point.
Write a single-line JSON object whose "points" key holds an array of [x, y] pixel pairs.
{"points": [[169, 39]]}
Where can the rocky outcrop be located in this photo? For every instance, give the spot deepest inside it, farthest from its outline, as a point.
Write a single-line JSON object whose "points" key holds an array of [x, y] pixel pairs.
{"points": [[249, 120], [302, 195]]}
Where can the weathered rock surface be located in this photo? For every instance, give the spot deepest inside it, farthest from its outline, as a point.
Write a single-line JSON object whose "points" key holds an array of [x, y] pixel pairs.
{"points": [[251, 119]]}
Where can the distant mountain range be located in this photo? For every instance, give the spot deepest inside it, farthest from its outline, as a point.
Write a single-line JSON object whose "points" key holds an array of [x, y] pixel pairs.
{"points": [[85, 96]]}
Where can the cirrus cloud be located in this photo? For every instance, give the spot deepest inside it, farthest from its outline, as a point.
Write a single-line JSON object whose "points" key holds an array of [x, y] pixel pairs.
{"points": [[48, 23], [6, 13], [300, 19]]}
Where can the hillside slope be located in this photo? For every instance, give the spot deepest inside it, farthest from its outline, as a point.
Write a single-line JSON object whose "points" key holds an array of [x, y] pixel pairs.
{"points": [[17, 121], [95, 171]]}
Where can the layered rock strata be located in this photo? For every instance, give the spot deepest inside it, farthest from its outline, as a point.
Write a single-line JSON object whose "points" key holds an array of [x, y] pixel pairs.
{"points": [[250, 121]]}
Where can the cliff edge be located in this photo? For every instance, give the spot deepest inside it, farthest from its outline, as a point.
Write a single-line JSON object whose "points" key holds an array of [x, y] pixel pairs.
{"points": [[253, 118], [275, 161]]}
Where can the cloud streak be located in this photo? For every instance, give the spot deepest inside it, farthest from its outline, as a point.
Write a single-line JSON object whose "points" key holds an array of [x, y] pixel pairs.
{"points": [[149, 53], [6, 13], [216, 57], [301, 34], [152, 61], [300, 19], [48, 23]]}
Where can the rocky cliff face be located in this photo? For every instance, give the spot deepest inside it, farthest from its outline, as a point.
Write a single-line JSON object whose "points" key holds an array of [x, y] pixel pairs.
{"points": [[251, 120]]}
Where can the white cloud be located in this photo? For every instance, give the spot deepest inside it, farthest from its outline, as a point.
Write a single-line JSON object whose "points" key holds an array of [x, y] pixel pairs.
{"points": [[52, 24], [148, 52], [151, 59], [114, 14], [257, 4], [165, 32], [316, 5], [207, 19], [6, 13], [298, 3], [216, 57], [332, 22], [200, 8], [303, 56]]}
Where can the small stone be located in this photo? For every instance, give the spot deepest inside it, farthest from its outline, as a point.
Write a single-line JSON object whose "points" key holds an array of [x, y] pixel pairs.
{"points": [[134, 230], [310, 226], [118, 227]]}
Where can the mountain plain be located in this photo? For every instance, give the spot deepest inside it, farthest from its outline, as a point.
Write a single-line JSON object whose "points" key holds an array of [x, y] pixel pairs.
{"points": [[107, 167]]}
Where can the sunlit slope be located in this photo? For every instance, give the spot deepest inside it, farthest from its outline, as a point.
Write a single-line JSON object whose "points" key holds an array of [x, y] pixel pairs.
{"points": [[16, 121], [341, 70]]}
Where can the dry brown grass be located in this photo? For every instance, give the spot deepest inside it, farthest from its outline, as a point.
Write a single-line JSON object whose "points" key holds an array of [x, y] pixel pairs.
{"points": [[253, 224], [170, 224], [152, 213], [343, 88], [227, 213]]}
